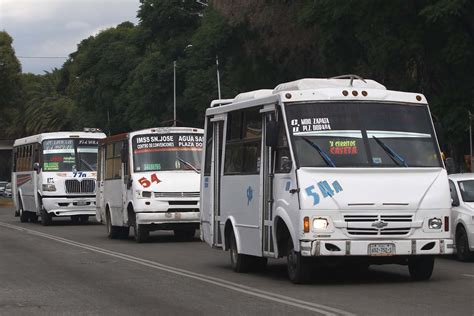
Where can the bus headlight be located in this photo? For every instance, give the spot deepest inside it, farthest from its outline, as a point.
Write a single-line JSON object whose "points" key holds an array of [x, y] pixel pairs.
{"points": [[320, 223], [144, 194], [435, 223], [49, 187]]}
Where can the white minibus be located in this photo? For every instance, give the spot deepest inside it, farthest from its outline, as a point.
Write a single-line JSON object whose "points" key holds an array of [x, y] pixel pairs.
{"points": [[54, 174], [149, 180], [325, 170]]}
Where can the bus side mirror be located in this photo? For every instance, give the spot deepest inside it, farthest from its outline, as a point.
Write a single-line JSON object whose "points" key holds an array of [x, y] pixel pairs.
{"points": [[450, 168], [454, 202], [37, 167], [271, 134]]}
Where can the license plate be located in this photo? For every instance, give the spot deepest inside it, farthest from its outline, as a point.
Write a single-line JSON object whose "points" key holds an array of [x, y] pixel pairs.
{"points": [[381, 249], [81, 203]]}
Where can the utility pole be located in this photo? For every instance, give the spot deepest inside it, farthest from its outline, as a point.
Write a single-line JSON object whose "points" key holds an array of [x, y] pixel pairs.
{"points": [[174, 93], [218, 78]]}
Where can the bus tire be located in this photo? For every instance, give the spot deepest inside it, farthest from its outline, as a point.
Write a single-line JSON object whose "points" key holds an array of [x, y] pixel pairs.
{"points": [[33, 217], [46, 219], [462, 245], [298, 266], [240, 263], [113, 232], [141, 233], [421, 267], [23, 213], [185, 234]]}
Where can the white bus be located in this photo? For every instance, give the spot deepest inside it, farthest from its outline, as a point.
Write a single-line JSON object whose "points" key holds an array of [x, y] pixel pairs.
{"points": [[54, 174], [149, 180], [320, 168]]}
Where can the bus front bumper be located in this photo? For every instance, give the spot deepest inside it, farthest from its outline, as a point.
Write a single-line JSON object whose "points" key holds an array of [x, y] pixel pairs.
{"points": [[60, 206], [157, 218], [375, 248]]}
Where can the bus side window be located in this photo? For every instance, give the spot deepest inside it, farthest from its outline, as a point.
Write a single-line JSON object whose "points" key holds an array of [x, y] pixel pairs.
{"points": [[126, 164], [109, 162], [243, 144], [283, 158], [117, 160], [14, 159], [208, 155], [99, 164]]}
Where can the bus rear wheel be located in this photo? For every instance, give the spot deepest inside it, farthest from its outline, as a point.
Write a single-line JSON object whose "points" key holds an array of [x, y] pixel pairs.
{"points": [[298, 266], [115, 232], [23, 213], [421, 267], [240, 263]]}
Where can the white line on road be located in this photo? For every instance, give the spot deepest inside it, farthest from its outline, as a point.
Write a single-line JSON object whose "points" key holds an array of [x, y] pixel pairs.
{"points": [[469, 275], [318, 308]]}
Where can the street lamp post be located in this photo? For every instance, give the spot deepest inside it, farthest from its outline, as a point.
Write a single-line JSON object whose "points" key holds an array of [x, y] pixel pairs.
{"points": [[470, 139], [218, 78], [174, 93]]}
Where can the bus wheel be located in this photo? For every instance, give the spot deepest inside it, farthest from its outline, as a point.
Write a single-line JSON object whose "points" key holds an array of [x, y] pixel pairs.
{"points": [[33, 217], [421, 267], [114, 232], [185, 234], [462, 245], [240, 263], [141, 232], [298, 267], [23, 213], [46, 219]]}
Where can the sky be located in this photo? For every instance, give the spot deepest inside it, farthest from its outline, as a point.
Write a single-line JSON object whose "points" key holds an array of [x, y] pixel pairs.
{"points": [[53, 28]]}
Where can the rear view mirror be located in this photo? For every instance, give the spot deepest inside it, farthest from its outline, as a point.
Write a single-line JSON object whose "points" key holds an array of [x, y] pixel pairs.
{"points": [[450, 167], [37, 167], [271, 134], [454, 202], [124, 153]]}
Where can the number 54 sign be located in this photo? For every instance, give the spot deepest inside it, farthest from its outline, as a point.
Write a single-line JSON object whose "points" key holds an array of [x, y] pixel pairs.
{"points": [[146, 182]]}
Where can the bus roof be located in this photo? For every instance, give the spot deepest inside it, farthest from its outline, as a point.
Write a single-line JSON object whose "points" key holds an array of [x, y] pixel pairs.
{"points": [[153, 130], [38, 138], [353, 88]]}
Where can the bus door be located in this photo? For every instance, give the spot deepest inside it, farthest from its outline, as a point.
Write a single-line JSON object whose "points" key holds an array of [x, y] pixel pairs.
{"points": [[216, 172], [100, 199], [267, 163]]}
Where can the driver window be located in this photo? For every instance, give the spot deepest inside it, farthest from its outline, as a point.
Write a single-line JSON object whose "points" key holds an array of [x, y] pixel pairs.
{"points": [[283, 162]]}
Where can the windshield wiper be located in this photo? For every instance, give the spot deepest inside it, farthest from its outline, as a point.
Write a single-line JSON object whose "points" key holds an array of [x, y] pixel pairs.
{"points": [[399, 160], [187, 164], [325, 156]]}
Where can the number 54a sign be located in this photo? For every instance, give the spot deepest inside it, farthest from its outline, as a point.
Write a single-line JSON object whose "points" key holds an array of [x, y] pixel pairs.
{"points": [[146, 182]]}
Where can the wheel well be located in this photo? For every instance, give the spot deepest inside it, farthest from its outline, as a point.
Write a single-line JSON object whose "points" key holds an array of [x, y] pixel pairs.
{"points": [[283, 237], [228, 229]]}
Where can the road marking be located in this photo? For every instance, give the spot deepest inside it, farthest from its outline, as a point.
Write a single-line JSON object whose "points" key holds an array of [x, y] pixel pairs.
{"points": [[469, 275], [318, 308]]}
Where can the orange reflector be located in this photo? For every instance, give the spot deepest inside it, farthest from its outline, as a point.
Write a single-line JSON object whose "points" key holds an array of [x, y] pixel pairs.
{"points": [[446, 223], [306, 224], [364, 93], [345, 93], [288, 95], [418, 97]]}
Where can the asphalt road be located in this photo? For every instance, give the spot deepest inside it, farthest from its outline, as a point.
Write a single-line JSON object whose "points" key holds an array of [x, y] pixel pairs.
{"points": [[76, 270]]}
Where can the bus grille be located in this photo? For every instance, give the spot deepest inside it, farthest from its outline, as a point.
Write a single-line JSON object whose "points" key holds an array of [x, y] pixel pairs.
{"points": [[176, 194], [367, 225], [84, 186]]}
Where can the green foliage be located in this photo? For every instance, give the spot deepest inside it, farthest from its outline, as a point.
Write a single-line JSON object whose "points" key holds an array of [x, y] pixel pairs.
{"points": [[122, 78]]}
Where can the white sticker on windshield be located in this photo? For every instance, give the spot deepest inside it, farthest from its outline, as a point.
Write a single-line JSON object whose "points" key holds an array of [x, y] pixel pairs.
{"points": [[310, 124]]}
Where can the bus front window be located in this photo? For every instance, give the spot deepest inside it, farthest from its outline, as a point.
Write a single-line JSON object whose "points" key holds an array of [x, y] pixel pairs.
{"points": [[362, 134], [167, 152], [69, 155]]}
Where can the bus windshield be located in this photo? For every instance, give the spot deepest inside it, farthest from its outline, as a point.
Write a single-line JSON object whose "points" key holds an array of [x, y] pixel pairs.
{"points": [[362, 134], [167, 152], [69, 155]]}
